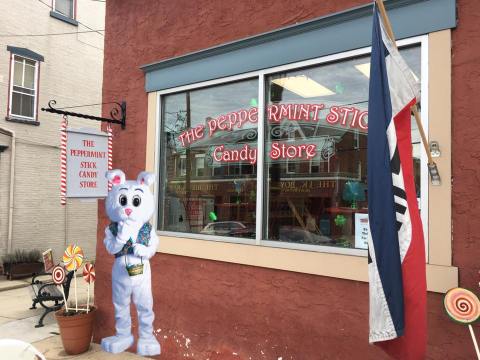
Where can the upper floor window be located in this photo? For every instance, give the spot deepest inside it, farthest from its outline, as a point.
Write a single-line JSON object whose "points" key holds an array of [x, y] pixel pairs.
{"points": [[65, 7], [23, 88], [200, 165]]}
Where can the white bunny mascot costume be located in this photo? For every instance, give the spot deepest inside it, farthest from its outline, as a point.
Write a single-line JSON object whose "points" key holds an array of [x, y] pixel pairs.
{"points": [[132, 240]]}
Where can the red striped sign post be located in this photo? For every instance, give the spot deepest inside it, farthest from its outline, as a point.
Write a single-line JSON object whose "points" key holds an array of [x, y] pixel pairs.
{"points": [[110, 151], [63, 161]]}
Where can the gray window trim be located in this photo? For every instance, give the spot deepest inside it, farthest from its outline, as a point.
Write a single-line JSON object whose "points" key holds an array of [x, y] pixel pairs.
{"points": [[26, 53], [335, 33], [57, 15]]}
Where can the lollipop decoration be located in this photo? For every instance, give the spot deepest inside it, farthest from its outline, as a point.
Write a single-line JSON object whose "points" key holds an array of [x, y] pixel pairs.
{"points": [[89, 277], [463, 306], [58, 277], [73, 259], [89, 273]]}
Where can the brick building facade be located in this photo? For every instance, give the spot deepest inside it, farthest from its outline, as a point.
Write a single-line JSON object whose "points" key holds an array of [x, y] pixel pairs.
{"points": [[236, 299]]}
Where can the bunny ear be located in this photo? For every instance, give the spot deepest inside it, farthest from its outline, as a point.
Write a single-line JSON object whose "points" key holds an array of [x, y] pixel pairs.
{"points": [[145, 178], [116, 177]]}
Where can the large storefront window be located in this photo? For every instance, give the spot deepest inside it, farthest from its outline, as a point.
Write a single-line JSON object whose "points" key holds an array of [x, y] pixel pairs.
{"points": [[209, 147], [314, 183], [316, 146]]}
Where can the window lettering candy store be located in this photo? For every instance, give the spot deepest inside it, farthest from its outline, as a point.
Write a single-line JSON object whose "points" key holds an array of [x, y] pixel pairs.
{"points": [[258, 137]]}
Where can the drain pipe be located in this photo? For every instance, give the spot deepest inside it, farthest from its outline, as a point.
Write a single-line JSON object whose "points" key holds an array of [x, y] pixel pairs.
{"points": [[11, 190]]}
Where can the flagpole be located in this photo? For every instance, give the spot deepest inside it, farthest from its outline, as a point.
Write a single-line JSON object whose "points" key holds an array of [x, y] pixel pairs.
{"points": [[422, 133], [386, 21], [416, 114]]}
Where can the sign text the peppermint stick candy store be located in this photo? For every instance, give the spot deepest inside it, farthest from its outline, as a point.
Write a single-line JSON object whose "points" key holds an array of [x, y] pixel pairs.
{"points": [[277, 115], [87, 162], [342, 116]]}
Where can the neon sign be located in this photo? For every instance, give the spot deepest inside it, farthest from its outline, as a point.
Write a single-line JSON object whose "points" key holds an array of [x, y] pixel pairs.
{"points": [[229, 121], [320, 148], [286, 151], [344, 116], [245, 154], [294, 112]]}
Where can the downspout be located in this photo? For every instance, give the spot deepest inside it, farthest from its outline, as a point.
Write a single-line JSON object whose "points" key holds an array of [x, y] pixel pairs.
{"points": [[11, 192]]}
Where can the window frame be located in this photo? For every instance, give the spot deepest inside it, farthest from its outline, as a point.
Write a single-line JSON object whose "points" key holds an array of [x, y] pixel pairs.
{"points": [[182, 166], [202, 157], [261, 75], [36, 82], [74, 10]]}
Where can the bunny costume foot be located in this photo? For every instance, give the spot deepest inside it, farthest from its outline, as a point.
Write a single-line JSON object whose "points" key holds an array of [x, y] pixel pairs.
{"points": [[116, 344], [148, 346], [133, 241]]}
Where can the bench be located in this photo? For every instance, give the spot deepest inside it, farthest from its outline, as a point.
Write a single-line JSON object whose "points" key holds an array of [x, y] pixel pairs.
{"points": [[47, 294]]}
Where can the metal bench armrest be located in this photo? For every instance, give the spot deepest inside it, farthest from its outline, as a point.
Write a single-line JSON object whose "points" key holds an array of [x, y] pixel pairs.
{"points": [[34, 281]]}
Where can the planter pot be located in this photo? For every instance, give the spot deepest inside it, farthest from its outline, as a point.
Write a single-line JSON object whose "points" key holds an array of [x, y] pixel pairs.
{"points": [[6, 269], [76, 330], [23, 269]]}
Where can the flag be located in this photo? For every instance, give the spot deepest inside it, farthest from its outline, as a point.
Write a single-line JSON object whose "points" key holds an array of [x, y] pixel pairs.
{"points": [[396, 255]]}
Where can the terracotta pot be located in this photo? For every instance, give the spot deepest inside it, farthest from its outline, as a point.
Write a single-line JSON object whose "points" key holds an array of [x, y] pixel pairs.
{"points": [[76, 330]]}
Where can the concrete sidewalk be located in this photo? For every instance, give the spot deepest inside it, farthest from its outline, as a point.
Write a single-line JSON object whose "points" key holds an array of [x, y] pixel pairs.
{"points": [[17, 321], [53, 350], [6, 285]]}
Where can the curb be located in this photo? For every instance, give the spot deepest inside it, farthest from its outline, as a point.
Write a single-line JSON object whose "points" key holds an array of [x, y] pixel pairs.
{"points": [[24, 283], [13, 287]]}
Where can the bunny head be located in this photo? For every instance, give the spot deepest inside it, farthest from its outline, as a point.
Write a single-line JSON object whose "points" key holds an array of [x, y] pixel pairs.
{"points": [[130, 200]]}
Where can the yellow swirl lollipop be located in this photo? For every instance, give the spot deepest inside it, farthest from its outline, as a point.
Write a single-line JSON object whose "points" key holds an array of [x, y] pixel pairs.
{"points": [[73, 257]]}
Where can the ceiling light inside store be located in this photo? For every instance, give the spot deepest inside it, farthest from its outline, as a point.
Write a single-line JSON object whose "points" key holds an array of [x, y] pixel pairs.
{"points": [[303, 86], [365, 70]]}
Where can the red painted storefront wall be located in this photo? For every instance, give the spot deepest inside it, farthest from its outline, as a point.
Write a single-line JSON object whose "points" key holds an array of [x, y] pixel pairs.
{"points": [[214, 310]]}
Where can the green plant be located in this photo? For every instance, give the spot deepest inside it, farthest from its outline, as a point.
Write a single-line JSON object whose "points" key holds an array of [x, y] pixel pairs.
{"points": [[22, 256], [7, 259], [343, 242]]}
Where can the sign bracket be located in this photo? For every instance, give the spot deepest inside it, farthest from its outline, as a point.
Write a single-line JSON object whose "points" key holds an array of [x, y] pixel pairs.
{"points": [[118, 115]]}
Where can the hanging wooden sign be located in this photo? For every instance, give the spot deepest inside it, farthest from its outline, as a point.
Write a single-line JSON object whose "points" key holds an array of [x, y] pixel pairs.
{"points": [[87, 157]]}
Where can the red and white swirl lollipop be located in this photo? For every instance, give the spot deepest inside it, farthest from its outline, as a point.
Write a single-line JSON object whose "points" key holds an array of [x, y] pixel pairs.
{"points": [[89, 277], [89, 273], [58, 275], [463, 306]]}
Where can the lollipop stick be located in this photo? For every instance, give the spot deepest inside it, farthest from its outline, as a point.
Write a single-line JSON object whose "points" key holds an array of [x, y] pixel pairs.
{"points": [[88, 295], [64, 299], [474, 340], [76, 301]]}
